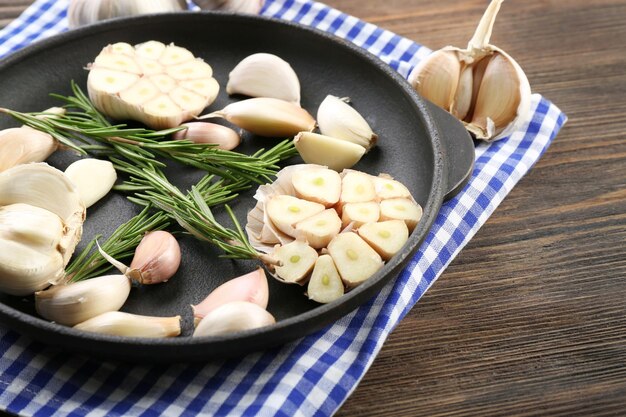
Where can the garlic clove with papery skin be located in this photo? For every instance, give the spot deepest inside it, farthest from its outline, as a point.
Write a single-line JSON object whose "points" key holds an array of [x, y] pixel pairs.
{"points": [[241, 6], [93, 177], [481, 85], [264, 75], [266, 116], [84, 12], [235, 316], [117, 323], [21, 145], [203, 132], [251, 287], [73, 303], [336, 118]]}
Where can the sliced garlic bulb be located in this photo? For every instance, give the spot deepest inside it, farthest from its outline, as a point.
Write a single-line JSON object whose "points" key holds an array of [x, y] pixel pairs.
{"points": [[336, 118], [266, 116], [41, 225], [264, 75], [84, 12], [235, 316], [156, 84], [93, 177], [241, 6], [73, 303], [118, 323], [20, 145], [481, 85]]}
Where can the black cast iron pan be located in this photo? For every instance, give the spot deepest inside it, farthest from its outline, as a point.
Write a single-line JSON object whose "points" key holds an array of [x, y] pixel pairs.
{"points": [[420, 145]]}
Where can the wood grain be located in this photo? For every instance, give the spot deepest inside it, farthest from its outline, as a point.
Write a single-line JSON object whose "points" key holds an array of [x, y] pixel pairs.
{"points": [[530, 318]]}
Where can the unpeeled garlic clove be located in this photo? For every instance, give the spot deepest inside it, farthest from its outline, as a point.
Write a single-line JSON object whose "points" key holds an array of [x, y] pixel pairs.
{"points": [[21, 145], [202, 132], [334, 153], [76, 302], [251, 287], [481, 85], [266, 116], [93, 177], [84, 12], [235, 316], [117, 323], [264, 75], [336, 118], [241, 6], [156, 259]]}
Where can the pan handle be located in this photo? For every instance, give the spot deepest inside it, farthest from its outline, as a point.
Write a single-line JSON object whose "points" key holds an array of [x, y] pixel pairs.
{"points": [[458, 149]]}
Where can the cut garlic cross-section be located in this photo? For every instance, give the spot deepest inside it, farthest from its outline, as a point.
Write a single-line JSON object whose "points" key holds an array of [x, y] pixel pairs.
{"points": [[156, 84]]}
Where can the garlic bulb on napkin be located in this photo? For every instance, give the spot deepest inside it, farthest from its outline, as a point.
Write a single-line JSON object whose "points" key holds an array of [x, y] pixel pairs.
{"points": [[481, 85]]}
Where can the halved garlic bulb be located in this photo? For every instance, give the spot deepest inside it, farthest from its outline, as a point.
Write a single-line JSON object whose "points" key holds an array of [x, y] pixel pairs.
{"points": [[159, 85], [264, 75], [481, 85], [41, 219], [73, 303]]}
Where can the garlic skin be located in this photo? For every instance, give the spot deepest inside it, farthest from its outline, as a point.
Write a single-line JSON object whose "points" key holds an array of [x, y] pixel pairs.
{"points": [[203, 132], [21, 145], [481, 85], [41, 224], [338, 119], [117, 323], [76, 302], [251, 287], [264, 75], [156, 84], [93, 177], [156, 259], [266, 116], [241, 6], [232, 317], [84, 12]]}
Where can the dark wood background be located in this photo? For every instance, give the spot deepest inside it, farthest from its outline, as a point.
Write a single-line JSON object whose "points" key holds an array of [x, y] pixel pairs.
{"points": [[530, 318]]}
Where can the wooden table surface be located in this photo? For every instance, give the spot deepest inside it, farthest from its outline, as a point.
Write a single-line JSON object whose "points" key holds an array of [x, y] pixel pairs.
{"points": [[530, 318]]}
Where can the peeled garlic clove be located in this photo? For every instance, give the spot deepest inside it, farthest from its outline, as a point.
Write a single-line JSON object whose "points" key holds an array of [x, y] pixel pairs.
{"points": [[202, 132], [296, 262], [265, 116], [132, 325], [93, 177], [264, 75], [401, 209], [76, 302], [318, 230], [30, 259], [321, 185], [156, 258], [40, 185], [84, 12], [156, 84], [481, 85], [251, 287], [21, 145], [325, 284], [241, 6], [236, 316], [338, 119], [335, 153], [356, 261], [386, 238]]}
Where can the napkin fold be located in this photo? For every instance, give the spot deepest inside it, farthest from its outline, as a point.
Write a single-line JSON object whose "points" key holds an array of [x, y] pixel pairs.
{"points": [[314, 375]]}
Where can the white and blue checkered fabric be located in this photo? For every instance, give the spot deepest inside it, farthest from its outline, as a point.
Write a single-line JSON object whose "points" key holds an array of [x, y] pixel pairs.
{"points": [[309, 377]]}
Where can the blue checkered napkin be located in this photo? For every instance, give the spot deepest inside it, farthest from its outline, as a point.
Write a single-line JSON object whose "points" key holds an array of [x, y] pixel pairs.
{"points": [[314, 375]]}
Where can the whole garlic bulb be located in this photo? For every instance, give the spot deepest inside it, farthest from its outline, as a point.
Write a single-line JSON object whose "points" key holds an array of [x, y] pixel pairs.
{"points": [[84, 12], [480, 85], [242, 6]]}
